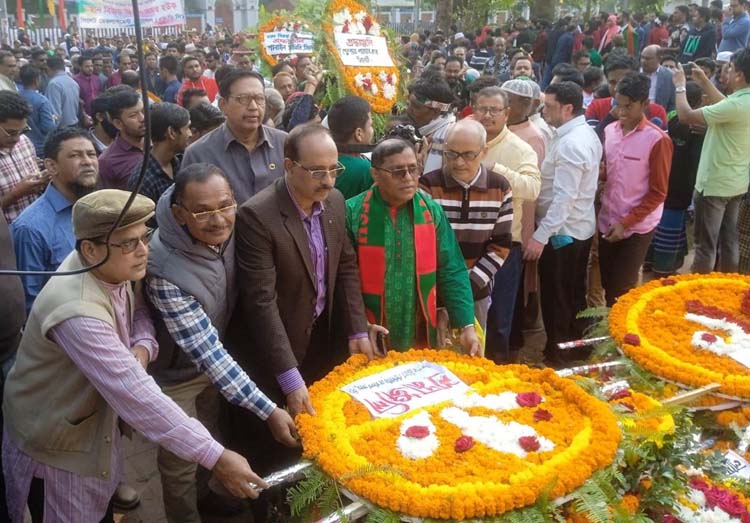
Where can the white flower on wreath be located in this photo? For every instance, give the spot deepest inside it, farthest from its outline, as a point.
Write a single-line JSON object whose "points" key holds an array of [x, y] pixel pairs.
{"points": [[374, 29], [389, 91], [341, 17], [359, 80], [383, 76], [360, 16]]}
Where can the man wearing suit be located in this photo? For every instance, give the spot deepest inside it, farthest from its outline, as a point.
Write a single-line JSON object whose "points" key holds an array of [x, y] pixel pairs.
{"points": [[662, 88], [298, 280]]}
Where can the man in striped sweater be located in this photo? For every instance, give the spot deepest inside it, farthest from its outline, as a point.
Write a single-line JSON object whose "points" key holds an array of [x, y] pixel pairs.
{"points": [[477, 202]]}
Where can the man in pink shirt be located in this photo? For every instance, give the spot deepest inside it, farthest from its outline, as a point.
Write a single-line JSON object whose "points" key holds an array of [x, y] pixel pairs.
{"points": [[638, 155], [80, 368]]}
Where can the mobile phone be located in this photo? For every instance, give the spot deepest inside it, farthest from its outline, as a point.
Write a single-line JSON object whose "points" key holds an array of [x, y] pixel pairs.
{"points": [[688, 68], [382, 347]]}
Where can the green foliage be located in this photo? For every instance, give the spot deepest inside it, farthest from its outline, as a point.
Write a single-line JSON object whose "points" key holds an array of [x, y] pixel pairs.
{"points": [[316, 490], [595, 497], [379, 515]]}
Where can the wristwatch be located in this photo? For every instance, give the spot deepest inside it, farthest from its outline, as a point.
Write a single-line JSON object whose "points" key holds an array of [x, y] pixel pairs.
{"points": [[680, 89]]}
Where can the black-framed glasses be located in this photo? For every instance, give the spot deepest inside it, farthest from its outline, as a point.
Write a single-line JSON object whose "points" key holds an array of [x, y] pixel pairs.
{"points": [[14, 133], [319, 174], [493, 111], [245, 99], [400, 172], [466, 155], [205, 216], [129, 246]]}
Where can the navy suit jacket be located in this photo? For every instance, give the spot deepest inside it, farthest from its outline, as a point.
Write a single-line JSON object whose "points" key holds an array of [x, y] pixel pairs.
{"points": [[665, 94]]}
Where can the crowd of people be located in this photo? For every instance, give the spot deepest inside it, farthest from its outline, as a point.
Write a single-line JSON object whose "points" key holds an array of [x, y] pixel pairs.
{"points": [[537, 169]]}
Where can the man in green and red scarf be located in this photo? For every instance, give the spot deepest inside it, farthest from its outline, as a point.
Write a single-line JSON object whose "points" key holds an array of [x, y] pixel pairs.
{"points": [[409, 258]]}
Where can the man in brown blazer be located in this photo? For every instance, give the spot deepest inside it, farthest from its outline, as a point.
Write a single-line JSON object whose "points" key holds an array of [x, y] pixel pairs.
{"points": [[299, 282]]}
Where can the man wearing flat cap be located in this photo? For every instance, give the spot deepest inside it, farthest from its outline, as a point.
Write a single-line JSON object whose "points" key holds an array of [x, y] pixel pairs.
{"points": [[81, 365]]}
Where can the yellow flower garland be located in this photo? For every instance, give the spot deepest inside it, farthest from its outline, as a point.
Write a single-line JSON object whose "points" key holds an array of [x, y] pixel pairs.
{"points": [[649, 324], [361, 453], [378, 102]]}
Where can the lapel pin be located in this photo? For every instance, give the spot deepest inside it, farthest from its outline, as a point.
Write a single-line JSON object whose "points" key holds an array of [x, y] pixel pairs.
{"points": [[272, 166]]}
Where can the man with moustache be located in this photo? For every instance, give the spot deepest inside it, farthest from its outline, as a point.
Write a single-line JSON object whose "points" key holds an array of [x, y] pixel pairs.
{"points": [[249, 153], [43, 233], [298, 285]]}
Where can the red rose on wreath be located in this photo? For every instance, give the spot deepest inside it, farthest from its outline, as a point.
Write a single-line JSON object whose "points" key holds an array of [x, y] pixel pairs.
{"points": [[418, 431], [529, 443], [367, 22], [464, 443], [542, 415], [528, 399], [632, 339], [708, 337], [622, 393]]}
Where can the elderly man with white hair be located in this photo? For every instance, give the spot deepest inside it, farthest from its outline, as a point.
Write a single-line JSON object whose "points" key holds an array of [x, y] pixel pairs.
{"points": [[478, 204]]}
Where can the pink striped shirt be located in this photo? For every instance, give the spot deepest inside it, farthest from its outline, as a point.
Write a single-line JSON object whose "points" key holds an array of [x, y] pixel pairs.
{"points": [[103, 355]]}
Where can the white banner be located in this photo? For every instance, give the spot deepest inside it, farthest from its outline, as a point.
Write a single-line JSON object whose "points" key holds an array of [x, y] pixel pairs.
{"points": [[118, 14], [396, 391], [737, 466], [363, 50], [288, 42]]}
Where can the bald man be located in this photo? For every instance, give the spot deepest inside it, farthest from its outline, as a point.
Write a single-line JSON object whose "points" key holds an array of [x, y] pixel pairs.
{"points": [[662, 88], [479, 207]]}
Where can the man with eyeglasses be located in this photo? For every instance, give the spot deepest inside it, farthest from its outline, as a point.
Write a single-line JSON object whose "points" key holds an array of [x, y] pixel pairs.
{"points": [[301, 306], [191, 284], [248, 152], [516, 160], [20, 179], [80, 368], [478, 204], [409, 259]]}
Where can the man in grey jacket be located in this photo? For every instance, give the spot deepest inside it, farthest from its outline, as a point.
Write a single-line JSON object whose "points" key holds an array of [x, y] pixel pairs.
{"points": [[190, 284]]}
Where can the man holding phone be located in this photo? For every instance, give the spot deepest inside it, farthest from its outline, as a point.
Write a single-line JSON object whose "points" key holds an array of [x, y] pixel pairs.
{"points": [[724, 168]]}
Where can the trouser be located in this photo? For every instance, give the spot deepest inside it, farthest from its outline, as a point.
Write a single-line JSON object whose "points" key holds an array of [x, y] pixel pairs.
{"points": [[594, 290], [36, 504], [199, 399], [503, 303], [620, 262], [562, 274], [743, 235], [716, 229], [4, 370], [481, 307]]}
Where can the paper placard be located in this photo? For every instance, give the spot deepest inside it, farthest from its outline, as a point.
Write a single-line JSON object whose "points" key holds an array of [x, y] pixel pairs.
{"points": [[737, 466], [288, 42], [404, 388], [363, 50]]}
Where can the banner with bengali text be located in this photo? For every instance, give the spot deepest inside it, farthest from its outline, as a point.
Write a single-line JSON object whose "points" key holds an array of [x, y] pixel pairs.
{"points": [[288, 42], [118, 14], [363, 50], [410, 386]]}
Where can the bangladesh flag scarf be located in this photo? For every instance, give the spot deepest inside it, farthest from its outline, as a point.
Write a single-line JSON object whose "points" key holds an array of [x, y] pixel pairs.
{"points": [[372, 263]]}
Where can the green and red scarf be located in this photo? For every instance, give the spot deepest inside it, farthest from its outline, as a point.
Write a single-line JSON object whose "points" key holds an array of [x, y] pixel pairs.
{"points": [[372, 261]]}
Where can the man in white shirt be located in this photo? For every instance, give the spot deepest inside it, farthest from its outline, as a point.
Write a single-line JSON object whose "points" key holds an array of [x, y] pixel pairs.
{"points": [[566, 220]]}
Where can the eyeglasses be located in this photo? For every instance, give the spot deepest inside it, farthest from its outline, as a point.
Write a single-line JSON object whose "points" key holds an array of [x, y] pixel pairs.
{"points": [[466, 155], [129, 246], [14, 133], [401, 172], [494, 111], [319, 174], [245, 99], [205, 216]]}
